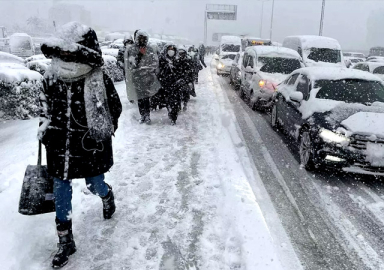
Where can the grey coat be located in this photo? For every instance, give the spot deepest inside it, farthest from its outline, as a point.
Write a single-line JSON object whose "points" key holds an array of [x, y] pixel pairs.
{"points": [[140, 70]]}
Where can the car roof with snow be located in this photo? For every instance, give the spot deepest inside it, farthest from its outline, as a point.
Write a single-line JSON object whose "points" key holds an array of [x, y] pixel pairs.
{"points": [[335, 73], [10, 58], [273, 51], [230, 40], [308, 41]]}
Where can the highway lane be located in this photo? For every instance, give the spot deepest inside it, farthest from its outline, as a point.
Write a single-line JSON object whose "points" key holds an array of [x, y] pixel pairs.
{"points": [[334, 220]]}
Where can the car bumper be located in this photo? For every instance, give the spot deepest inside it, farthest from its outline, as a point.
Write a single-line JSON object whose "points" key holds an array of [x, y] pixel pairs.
{"points": [[348, 159]]}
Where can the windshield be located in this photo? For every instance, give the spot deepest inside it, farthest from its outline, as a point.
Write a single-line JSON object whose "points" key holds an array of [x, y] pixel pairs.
{"points": [[278, 65], [356, 60], [324, 55], [230, 48], [229, 56], [351, 91]]}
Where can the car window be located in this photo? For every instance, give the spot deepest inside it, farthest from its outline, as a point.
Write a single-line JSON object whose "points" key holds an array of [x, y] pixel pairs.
{"points": [[303, 86], [228, 56], [324, 55], [278, 65], [251, 61], [379, 70], [293, 79], [245, 60], [351, 91], [362, 67]]}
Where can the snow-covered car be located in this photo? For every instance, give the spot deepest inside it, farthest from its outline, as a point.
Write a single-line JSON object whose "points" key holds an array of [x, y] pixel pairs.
{"points": [[376, 68], [19, 88], [350, 62], [112, 52], [117, 44], [21, 45], [336, 116], [316, 50], [40, 66], [262, 69], [111, 68], [375, 59], [224, 64], [235, 72]]}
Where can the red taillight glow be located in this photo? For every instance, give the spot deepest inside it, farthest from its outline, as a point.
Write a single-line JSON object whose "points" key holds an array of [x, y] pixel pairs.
{"points": [[267, 85]]}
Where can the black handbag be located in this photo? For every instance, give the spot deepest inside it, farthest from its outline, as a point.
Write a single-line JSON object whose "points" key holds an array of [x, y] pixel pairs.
{"points": [[37, 191]]}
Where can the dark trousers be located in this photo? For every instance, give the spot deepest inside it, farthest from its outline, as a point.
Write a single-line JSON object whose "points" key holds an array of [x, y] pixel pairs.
{"points": [[144, 107], [173, 98]]}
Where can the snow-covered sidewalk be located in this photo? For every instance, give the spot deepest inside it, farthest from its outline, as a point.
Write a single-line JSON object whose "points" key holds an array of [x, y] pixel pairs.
{"points": [[183, 197]]}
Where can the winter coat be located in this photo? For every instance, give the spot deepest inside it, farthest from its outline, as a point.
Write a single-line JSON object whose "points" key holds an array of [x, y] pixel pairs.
{"points": [[185, 69], [140, 70], [120, 56], [71, 153]]}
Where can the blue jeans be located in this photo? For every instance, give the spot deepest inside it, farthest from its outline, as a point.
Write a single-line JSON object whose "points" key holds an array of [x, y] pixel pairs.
{"points": [[62, 190]]}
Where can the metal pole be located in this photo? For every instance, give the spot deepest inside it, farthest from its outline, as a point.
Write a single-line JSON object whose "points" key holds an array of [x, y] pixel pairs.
{"points": [[273, 8], [205, 27], [261, 20], [322, 19]]}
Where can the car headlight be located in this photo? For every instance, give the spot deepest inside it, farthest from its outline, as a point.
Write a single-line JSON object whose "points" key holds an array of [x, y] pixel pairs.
{"points": [[220, 66], [330, 136]]}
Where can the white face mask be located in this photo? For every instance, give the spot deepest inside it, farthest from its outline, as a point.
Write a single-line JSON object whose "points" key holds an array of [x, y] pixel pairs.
{"points": [[171, 53], [192, 53]]}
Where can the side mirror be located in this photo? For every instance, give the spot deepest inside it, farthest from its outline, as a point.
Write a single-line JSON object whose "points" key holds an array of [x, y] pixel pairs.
{"points": [[249, 69], [296, 96]]}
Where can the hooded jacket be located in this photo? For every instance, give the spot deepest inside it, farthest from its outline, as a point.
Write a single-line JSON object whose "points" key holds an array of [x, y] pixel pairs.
{"points": [[71, 151], [140, 69], [168, 70], [185, 66]]}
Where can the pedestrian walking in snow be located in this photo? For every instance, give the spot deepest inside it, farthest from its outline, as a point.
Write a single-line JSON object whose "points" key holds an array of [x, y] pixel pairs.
{"points": [[80, 112], [185, 71], [141, 64], [169, 77], [194, 54], [128, 40], [202, 52]]}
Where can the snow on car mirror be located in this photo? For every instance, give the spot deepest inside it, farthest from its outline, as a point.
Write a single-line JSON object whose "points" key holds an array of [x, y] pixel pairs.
{"points": [[296, 96], [249, 69]]}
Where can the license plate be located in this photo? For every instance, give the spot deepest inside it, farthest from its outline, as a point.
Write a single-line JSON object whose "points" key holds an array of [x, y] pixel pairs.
{"points": [[375, 154]]}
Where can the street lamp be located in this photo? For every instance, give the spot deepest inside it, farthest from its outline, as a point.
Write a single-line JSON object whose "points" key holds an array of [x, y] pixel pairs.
{"points": [[273, 8], [322, 19]]}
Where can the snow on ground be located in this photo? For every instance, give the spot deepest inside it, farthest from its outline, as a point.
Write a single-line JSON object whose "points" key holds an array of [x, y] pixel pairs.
{"points": [[182, 195]]}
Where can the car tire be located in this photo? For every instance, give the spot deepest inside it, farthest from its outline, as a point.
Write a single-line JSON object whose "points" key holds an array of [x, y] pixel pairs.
{"points": [[241, 93], [274, 117], [307, 151]]}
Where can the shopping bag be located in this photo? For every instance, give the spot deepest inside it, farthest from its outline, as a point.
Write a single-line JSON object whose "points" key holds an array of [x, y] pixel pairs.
{"points": [[37, 191]]}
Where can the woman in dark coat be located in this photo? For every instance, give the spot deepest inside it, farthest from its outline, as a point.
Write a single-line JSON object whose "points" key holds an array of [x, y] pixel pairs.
{"points": [[185, 71], [80, 111], [169, 79]]}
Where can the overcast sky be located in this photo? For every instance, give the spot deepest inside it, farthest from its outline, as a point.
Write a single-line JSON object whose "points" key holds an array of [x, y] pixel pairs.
{"points": [[345, 20]]}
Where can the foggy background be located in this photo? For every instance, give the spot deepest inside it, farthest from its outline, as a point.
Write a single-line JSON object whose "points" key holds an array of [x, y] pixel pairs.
{"points": [[357, 25]]}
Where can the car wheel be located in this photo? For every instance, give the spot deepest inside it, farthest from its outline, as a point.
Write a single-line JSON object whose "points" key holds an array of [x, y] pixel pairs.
{"points": [[218, 74], [241, 93], [274, 119], [306, 151]]}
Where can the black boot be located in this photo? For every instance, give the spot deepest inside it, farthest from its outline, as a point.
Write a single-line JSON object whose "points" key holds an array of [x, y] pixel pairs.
{"points": [[66, 244], [109, 206]]}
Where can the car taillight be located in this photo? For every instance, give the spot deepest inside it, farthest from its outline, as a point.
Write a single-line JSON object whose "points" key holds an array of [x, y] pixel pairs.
{"points": [[267, 85]]}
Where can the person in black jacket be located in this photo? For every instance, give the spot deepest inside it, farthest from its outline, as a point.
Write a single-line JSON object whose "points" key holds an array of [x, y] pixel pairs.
{"points": [[185, 69], [80, 112], [170, 80]]}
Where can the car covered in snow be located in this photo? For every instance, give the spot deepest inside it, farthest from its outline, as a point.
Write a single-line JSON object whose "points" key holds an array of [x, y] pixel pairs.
{"points": [[117, 44], [224, 64], [21, 45], [112, 69], [19, 88], [375, 59], [376, 68], [262, 69], [336, 116], [235, 72], [316, 50]]}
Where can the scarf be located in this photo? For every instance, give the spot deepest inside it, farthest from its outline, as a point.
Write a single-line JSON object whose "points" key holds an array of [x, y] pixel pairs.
{"points": [[99, 120], [69, 71]]}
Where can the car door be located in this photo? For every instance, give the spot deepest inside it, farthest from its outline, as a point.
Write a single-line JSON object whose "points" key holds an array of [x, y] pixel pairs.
{"points": [[248, 74], [294, 116], [283, 106]]}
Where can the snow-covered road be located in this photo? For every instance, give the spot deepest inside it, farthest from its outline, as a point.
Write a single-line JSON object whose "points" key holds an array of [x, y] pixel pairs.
{"points": [[184, 197], [334, 220]]}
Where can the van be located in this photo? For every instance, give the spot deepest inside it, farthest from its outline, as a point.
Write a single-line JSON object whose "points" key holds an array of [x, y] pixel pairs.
{"points": [[316, 50], [21, 45], [230, 45]]}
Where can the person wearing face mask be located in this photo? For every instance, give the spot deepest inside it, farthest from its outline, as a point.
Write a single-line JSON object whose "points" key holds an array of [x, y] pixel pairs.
{"points": [[80, 109], [186, 72], [170, 82], [141, 64], [194, 54]]}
